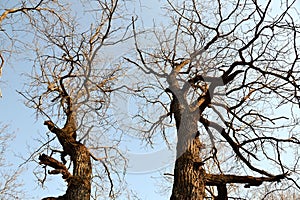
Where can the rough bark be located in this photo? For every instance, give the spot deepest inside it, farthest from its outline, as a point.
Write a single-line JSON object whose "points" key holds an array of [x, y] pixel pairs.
{"points": [[188, 172], [79, 182]]}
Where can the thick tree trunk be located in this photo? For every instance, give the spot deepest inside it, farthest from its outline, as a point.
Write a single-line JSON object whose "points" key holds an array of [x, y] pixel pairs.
{"points": [[79, 185], [189, 183], [79, 182]]}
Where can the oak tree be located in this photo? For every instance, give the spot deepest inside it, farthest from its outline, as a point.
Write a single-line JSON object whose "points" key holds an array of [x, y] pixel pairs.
{"points": [[231, 72], [69, 88]]}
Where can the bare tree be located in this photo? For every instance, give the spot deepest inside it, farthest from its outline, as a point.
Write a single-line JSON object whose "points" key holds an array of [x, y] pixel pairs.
{"points": [[231, 70], [10, 186], [9, 27], [69, 87]]}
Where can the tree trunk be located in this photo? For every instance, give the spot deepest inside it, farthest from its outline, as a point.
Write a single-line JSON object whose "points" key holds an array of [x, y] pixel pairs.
{"points": [[189, 175], [79, 183], [79, 186], [222, 192]]}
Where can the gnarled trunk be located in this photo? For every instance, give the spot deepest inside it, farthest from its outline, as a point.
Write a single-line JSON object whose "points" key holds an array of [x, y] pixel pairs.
{"points": [[79, 183]]}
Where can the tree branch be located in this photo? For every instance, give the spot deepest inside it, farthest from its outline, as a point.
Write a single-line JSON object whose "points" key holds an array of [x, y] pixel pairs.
{"points": [[59, 167], [215, 180], [233, 145]]}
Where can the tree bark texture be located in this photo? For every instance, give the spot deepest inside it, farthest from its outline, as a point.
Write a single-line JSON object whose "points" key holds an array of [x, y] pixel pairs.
{"points": [[189, 175], [79, 182]]}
